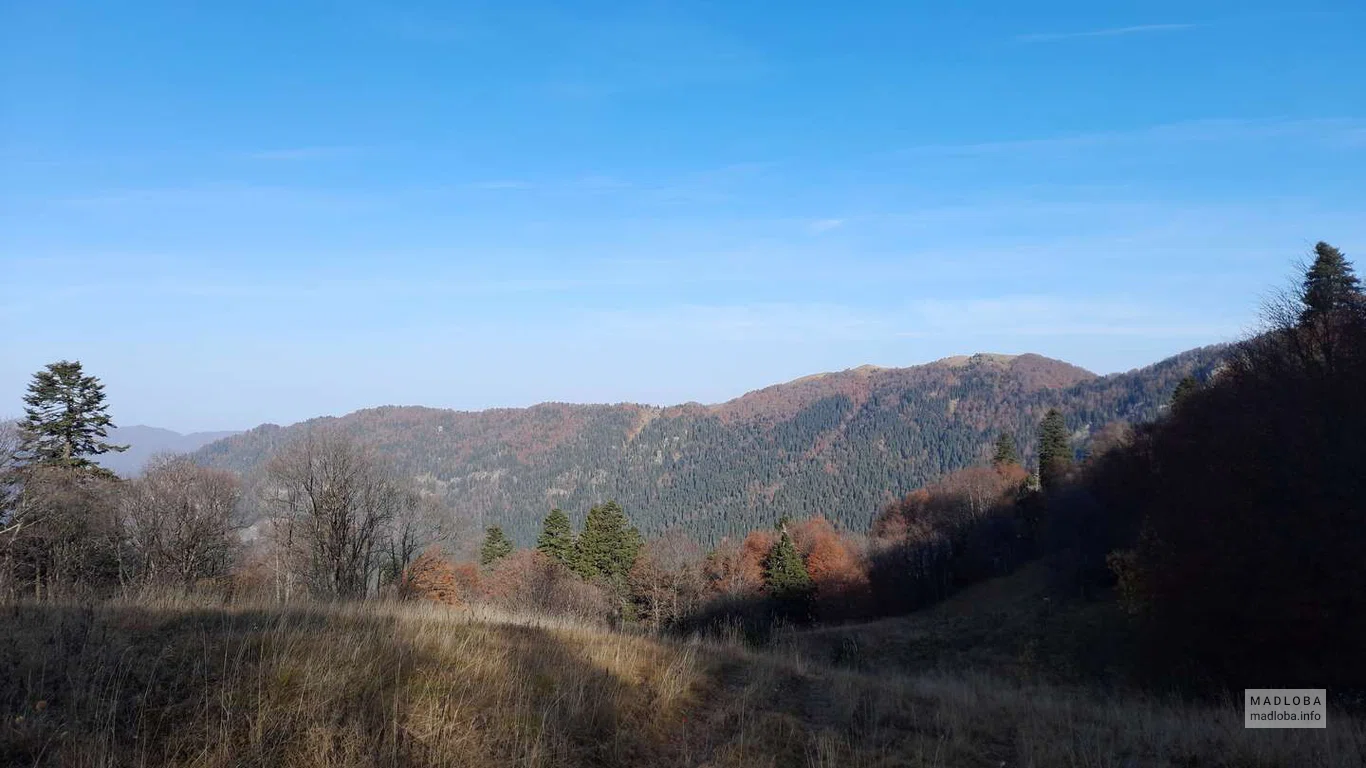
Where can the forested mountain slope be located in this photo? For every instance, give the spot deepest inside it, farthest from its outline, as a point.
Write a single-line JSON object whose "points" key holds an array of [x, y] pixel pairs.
{"points": [[837, 444]]}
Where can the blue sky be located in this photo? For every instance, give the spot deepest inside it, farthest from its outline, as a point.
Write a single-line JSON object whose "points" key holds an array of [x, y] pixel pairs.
{"points": [[264, 211]]}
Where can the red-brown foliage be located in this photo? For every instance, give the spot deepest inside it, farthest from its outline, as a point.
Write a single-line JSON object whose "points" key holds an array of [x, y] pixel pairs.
{"points": [[527, 580], [431, 577], [894, 523], [956, 499], [1036, 372], [753, 551], [467, 579], [837, 569], [738, 569], [773, 404]]}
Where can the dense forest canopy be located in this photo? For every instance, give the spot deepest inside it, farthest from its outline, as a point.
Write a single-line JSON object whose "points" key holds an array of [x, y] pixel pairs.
{"points": [[837, 445]]}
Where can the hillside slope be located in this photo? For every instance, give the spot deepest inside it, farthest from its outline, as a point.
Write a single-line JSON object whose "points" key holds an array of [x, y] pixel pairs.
{"points": [[1015, 627], [838, 444], [393, 685]]}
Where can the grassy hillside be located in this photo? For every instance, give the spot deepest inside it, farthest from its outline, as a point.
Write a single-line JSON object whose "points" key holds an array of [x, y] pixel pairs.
{"points": [[838, 445], [1014, 627], [393, 685]]}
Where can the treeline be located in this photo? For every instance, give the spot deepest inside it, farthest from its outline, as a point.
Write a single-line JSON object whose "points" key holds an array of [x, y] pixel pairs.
{"points": [[798, 571], [973, 524], [332, 519], [1230, 527], [338, 521], [1234, 526]]}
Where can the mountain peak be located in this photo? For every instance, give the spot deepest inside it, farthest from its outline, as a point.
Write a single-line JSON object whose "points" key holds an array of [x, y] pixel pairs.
{"points": [[959, 361]]}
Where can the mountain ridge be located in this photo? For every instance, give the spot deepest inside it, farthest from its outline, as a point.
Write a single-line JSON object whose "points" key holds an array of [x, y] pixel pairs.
{"points": [[839, 444], [145, 442]]}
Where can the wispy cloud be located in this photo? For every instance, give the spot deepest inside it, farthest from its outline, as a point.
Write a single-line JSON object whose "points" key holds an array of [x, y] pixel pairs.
{"points": [[825, 225], [1141, 29]]}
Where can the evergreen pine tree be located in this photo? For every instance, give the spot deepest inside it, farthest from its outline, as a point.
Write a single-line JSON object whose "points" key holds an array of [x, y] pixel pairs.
{"points": [[786, 578], [496, 545], [65, 420], [1006, 452], [784, 572], [1184, 388], [1329, 283], [557, 537], [1055, 450], [608, 546]]}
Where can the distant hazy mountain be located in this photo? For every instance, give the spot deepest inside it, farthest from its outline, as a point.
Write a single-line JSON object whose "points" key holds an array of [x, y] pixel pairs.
{"points": [[146, 442], [836, 444]]}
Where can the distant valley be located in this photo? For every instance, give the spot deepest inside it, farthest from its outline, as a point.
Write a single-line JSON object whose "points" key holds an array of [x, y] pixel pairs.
{"points": [[145, 442]]}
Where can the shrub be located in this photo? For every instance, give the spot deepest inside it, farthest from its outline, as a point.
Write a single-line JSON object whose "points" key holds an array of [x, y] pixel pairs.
{"points": [[431, 577], [530, 581]]}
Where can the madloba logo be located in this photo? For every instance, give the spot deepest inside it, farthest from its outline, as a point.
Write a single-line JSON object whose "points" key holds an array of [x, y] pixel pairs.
{"points": [[1285, 708], [1286, 701]]}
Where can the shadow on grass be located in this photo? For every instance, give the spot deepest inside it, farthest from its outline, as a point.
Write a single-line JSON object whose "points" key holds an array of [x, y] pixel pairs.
{"points": [[379, 685], [114, 685]]}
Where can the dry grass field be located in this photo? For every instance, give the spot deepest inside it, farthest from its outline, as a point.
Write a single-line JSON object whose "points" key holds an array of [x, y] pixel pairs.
{"points": [[1013, 627], [404, 685]]}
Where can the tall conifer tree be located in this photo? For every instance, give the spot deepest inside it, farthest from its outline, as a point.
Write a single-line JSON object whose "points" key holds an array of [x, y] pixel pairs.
{"points": [[496, 545], [1005, 453], [1184, 389], [65, 418], [1329, 283], [557, 537], [784, 572], [786, 579], [608, 546], [1055, 450]]}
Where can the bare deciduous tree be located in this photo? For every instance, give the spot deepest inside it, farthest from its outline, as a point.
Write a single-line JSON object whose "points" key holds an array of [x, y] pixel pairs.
{"points": [[60, 535], [331, 501], [58, 532], [11, 441], [668, 578], [423, 520], [179, 520]]}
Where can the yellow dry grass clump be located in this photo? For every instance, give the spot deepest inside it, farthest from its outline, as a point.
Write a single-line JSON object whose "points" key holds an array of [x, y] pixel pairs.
{"points": [[410, 685]]}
